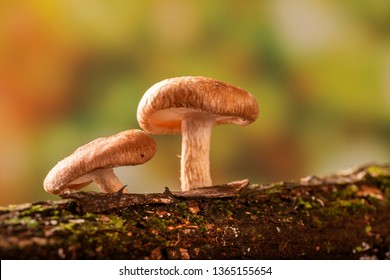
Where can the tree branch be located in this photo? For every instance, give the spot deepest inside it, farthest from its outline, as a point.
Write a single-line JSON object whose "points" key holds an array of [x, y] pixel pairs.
{"points": [[342, 216]]}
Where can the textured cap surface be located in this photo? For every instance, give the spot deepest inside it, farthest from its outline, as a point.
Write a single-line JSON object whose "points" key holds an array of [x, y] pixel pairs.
{"points": [[164, 105], [130, 147]]}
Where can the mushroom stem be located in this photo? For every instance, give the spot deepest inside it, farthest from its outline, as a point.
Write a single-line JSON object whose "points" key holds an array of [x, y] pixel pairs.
{"points": [[106, 180], [195, 161]]}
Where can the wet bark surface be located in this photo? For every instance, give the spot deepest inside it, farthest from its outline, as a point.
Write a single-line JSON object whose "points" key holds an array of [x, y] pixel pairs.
{"points": [[342, 216]]}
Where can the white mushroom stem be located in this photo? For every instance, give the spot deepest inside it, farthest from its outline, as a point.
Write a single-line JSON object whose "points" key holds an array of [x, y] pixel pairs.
{"points": [[195, 155], [106, 180]]}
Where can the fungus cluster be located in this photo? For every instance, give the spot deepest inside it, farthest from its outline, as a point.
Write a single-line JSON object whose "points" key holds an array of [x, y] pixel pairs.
{"points": [[188, 105]]}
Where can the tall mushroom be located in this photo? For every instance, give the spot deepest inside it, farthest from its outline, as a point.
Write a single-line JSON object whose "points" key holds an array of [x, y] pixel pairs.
{"points": [[192, 106], [95, 162]]}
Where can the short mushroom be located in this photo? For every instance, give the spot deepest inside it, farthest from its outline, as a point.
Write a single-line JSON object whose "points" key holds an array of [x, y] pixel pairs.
{"points": [[193, 106], [95, 162]]}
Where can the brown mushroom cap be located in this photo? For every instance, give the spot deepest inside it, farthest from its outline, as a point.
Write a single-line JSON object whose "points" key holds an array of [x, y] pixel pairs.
{"points": [[163, 106], [130, 147]]}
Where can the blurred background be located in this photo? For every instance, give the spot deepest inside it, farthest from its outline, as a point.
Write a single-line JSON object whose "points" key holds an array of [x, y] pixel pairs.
{"points": [[75, 70]]}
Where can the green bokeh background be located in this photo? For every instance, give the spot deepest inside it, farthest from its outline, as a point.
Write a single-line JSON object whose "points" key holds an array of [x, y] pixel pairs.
{"points": [[75, 70]]}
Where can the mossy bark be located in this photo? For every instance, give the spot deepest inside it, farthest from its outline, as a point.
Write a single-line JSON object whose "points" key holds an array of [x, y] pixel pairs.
{"points": [[343, 216]]}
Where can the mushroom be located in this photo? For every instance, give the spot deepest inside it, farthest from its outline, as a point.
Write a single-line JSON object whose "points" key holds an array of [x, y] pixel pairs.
{"points": [[193, 106], [95, 162]]}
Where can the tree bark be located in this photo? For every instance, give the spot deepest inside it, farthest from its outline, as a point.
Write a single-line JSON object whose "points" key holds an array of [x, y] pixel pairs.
{"points": [[342, 216]]}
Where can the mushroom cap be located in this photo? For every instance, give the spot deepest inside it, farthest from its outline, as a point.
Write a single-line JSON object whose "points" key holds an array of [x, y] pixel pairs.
{"points": [[166, 103], [130, 147]]}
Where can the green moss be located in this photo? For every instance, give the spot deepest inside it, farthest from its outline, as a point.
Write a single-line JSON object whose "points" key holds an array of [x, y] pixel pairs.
{"points": [[349, 191], [182, 205], [32, 223], [196, 220], [116, 221], [332, 212], [305, 204], [368, 229], [379, 171], [340, 208], [353, 206], [358, 249], [15, 207], [380, 174], [276, 188], [36, 209], [224, 206], [184, 211], [157, 223], [90, 216], [68, 227], [27, 221]]}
